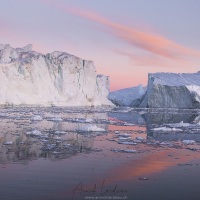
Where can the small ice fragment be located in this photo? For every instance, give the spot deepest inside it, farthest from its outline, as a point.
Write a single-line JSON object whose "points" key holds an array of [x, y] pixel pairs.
{"points": [[140, 138], [181, 124], [124, 135], [124, 138], [176, 129], [56, 119], [60, 132], [164, 143], [89, 127], [37, 118], [129, 151], [166, 129], [188, 141], [55, 152], [162, 129], [116, 132], [128, 124], [8, 143], [34, 132], [89, 120], [127, 143], [57, 138], [143, 179]]}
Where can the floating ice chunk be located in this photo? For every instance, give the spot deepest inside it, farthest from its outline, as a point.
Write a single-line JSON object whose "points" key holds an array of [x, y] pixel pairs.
{"points": [[60, 132], [129, 124], [34, 132], [90, 127], [140, 138], [56, 119], [197, 120], [176, 129], [181, 124], [116, 132], [165, 143], [144, 179], [8, 143], [57, 138], [37, 118], [124, 150], [129, 151], [167, 129], [161, 129], [127, 143], [124, 135], [89, 120], [188, 141], [124, 138]]}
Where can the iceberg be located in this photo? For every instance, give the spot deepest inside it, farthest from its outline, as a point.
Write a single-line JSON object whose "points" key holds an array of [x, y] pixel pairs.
{"points": [[58, 78], [128, 96], [172, 90]]}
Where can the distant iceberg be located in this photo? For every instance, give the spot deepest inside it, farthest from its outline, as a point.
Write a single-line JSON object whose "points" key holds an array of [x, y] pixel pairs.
{"points": [[128, 96]]}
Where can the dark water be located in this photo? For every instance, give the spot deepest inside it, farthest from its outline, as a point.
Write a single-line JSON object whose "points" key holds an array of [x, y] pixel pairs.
{"points": [[99, 153]]}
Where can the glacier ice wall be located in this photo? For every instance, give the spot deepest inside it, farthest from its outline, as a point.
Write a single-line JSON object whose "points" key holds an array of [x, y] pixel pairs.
{"points": [[58, 78]]}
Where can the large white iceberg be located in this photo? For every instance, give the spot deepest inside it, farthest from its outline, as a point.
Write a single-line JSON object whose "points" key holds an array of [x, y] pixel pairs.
{"points": [[171, 90], [58, 78], [128, 96]]}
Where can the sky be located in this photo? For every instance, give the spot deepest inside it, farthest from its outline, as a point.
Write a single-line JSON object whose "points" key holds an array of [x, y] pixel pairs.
{"points": [[126, 39]]}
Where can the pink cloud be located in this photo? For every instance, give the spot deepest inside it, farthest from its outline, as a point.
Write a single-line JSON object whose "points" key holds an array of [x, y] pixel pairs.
{"points": [[153, 43]]}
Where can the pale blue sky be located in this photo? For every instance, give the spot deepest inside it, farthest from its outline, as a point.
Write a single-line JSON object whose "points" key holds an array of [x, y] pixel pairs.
{"points": [[49, 27]]}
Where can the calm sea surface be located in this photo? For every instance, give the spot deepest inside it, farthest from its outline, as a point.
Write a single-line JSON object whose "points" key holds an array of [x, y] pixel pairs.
{"points": [[99, 153]]}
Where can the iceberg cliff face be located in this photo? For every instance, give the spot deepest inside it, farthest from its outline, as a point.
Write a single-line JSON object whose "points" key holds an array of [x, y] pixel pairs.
{"points": [[57, 78], [128, 96], [171, 90]]}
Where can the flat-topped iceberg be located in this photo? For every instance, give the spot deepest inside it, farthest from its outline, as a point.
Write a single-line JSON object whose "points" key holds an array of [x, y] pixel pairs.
{"points": [[171, 90], [31, 78]]}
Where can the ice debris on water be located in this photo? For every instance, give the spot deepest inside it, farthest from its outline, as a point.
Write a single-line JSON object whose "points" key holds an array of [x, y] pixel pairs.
{"points": [[129, 124], [124, 150], [56, 119], [116, 132], [124, 138], [166, 129], [90, 127], [37, 118], [8, 143], [59, 132], [143, 178], [129, 151], [89, 120], [188, 142], [127, 143], [124, 135], [34, 133], [177, 125], [140, 138]]}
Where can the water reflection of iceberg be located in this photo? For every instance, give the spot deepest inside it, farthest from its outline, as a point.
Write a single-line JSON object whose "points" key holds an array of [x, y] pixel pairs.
{"points": [[172, 126], [23, 139]]}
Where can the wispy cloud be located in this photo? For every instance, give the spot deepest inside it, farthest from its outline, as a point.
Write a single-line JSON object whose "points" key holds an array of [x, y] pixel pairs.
{"points": [[152, 60], [152, 43]]}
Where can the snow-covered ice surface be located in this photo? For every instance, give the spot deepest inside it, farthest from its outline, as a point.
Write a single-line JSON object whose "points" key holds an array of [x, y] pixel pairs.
{"points": [[31, 78], [93, 140], [171, 90]]}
